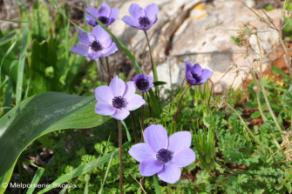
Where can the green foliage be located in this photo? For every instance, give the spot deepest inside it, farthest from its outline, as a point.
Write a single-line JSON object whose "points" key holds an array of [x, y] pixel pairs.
{"points": [[42, 114]]}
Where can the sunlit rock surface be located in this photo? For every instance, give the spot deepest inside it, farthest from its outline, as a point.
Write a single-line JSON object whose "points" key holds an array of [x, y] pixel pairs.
{"points": [[203, 33]]}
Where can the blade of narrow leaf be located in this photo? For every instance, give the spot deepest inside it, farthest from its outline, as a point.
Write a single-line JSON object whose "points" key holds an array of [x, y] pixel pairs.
{"points": [[87, 179], [123, 48], [156, 185], [21, 63], [8, 38], [4, 180], [106, 174], [39, 173], [154, 104], [40, 115], [80, 170], [5, 55]]}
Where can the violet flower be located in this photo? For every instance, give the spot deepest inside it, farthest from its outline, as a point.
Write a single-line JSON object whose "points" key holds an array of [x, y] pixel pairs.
{"points": [[162, 155], [143, 82], [196, 75], [117, 99], [105, 14], [140, 18], [95, 44]]}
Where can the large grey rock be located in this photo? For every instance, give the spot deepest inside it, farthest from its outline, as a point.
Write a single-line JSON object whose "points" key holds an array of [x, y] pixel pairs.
{"points": [[208, 41], [202, 33]]}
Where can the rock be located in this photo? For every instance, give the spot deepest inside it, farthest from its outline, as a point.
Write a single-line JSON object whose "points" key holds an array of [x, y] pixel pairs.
{"points": [[203, 33], [208, 41]]}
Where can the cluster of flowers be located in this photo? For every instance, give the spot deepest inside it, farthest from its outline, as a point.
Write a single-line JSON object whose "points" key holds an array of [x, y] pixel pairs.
{"points": [[159, 154]]}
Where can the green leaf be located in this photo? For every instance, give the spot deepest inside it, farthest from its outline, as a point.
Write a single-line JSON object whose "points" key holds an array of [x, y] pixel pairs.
{"points": [[158, 83], [38, 116], [155, 104], [38, 175], [21, 63]]}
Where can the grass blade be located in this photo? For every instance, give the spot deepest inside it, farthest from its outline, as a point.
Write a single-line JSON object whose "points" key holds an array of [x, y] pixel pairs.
{"points": [[21, 63], [39, 173]]}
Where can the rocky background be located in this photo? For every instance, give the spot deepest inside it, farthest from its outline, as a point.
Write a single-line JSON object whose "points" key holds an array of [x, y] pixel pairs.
{"points": [[231, 37]]}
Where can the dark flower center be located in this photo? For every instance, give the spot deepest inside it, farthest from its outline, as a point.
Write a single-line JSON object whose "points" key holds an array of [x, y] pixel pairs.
{"points": [[96, 46], [103, 19], [164, 155], [144, 21], [119, 102], [196, 77], [142, 84]]}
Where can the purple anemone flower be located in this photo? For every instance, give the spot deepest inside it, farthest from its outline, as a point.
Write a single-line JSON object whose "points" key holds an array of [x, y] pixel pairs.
{"points": [[162, 155], [117, 99], [105, 14], [95, 44], [196, 75], [143, 82], [140, 18]]}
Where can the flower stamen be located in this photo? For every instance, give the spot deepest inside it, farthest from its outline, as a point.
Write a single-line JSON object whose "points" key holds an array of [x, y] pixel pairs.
{"points": [[119, 102]]}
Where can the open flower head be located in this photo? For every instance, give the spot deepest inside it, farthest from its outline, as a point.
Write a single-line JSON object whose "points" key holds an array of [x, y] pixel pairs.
{"points": [[117, 99], [196, 75], [143, 82], [104, 13], [140, 18], [162, 155], [95, 44]]}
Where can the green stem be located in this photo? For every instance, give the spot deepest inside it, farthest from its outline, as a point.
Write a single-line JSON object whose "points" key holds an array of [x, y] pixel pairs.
{"points": [[109, 73], [154, 68], [121, 169], [269, 107], [100, 69], [127, 131]]}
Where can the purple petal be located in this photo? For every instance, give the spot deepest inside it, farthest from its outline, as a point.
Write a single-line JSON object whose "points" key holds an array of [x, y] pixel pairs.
{"points": [[91, 12], [93, 55], [190, 79], [142, 152], [131, 22], [156, 137], [170, 174], [114, 15], [180, 141], [135, 102], [136, 11], [110, 50], [104, 94], [188, 65], [151, 12], [118, 86], [102, 36], [84, 37], [184, 157], [121, 114], [104, 109], [130, 90], [90, 20], [196, 69], [104, 10], [151, 167], [80, 49], [206, 74]]}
